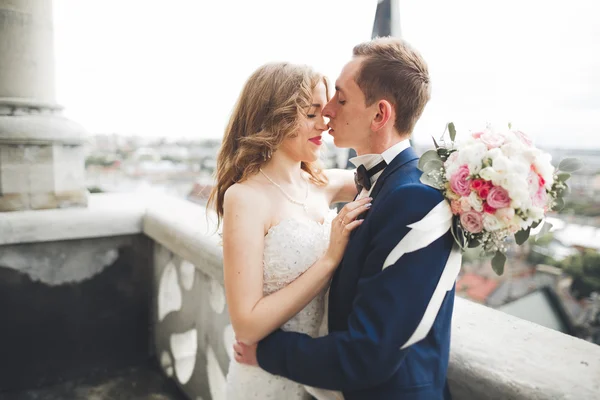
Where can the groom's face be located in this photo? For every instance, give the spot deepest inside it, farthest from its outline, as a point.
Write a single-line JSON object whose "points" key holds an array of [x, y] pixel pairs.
{"points": [[349, 118]]}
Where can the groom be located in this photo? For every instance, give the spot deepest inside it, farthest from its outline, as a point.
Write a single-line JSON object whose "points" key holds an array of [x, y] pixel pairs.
{"points": [[391, 299]]}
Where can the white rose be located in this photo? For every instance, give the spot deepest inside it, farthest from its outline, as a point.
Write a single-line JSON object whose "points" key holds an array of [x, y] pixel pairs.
{"points": [[512, 149], [472, 156], [545, 168], [502, 165], [505, 215], [494, 153], [476, 202], [491, 223], [535, 213], [490, 174]]}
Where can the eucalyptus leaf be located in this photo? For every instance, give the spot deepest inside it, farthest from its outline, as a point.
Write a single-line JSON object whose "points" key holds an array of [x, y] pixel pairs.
{"points": [[570, 165], [559, 204], [498, 262], [563, 176], [432, 165], [522, 236], [430, 181], [474, 243], [426, 157], [452, 131]]}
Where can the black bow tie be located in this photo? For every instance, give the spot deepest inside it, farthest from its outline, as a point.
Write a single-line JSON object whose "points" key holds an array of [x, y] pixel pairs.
{"points": [[362, 176]]}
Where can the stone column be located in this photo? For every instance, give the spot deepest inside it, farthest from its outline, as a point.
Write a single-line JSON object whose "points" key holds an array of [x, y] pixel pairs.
{"points": [[41, 151]]}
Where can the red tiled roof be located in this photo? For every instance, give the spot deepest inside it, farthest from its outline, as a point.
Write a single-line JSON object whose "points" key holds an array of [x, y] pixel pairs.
{"points": [[475, 287]]}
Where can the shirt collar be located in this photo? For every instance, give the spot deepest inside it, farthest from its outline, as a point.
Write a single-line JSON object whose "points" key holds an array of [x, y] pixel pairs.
{"points": [[371, 160]]}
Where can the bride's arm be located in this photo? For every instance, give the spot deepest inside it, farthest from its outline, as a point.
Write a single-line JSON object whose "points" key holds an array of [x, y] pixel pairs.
{"points": [[253, 315], [341, 187]]}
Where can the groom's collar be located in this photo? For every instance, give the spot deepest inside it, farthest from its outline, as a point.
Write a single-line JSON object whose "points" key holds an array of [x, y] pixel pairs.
{"points": [[370, 160]]}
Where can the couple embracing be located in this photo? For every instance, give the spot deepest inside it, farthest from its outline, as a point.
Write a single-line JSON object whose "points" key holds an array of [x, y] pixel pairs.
{"points": [[353, 305]]}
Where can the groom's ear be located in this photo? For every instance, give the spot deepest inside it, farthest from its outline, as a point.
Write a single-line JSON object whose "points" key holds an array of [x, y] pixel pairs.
{"points": [[384, 113]]}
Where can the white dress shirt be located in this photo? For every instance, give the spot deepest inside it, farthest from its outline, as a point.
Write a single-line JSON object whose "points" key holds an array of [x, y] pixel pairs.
{"points": [[371, 160]]}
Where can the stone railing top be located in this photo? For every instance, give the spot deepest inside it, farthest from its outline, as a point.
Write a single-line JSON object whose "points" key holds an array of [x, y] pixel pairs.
{"points": [[179, 225], [106, 215], [186, 229], [497, 356]]}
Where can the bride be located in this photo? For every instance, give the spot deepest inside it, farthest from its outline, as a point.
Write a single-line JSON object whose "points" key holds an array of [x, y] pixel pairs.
{"points": [[281, 242]]}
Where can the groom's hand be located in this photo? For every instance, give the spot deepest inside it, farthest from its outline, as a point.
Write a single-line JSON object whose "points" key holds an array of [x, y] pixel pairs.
{"points": [[245, 354]]}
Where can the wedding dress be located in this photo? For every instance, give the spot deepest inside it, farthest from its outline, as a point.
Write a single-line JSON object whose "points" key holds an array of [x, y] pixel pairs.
{"points": [[290, 248]]}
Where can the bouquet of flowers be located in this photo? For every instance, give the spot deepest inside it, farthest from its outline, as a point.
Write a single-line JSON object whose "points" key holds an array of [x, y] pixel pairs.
{"points": [[498, 184]]}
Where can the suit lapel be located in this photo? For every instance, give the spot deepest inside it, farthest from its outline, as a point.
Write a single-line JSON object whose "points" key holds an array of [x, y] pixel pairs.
{"points": [[401, 159]]}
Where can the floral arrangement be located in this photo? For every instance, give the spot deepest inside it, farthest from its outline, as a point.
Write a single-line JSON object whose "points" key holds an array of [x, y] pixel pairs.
{"points": [[498, 184]]}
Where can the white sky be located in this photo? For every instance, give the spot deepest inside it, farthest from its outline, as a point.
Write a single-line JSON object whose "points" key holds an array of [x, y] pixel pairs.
{"points": [[174, 69]]}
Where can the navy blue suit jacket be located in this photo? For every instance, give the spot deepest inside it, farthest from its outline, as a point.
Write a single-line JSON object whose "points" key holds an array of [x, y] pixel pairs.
{"points": [[373, 312]]}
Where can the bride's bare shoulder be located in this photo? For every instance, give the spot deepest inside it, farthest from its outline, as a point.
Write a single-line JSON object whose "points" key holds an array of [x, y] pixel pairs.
{"points": [[246, 195]]}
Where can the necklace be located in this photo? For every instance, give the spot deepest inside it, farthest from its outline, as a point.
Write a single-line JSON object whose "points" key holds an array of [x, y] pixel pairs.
{"points": [[287, 196]]}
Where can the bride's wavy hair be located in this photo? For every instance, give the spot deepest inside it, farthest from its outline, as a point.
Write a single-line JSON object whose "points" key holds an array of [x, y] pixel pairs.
{"points": [[266, 113]]}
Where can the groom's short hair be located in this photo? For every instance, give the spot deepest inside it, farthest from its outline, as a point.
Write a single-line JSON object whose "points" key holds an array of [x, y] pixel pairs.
{"points": [[394, 71]]}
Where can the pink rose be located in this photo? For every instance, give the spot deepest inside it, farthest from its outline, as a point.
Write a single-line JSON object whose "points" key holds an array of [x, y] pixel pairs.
{"points": [[472, 221], [523, 138], [498, 197], [540, 199], [492, 140], [455, 207], [459, 181]]}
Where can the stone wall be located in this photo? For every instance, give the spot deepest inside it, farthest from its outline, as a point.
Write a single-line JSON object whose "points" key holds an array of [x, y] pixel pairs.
{"points": [[73, 308]]}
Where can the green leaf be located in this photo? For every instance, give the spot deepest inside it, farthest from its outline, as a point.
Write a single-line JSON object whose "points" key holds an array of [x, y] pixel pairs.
{"points": [[570, 165], [435, 143], [522, 236], [429, 181], [498, 263], [426, 157], [432, 165], [452, 131], [509, 126], [474, 243], [563, 176], [559, 204], [536, 224]]}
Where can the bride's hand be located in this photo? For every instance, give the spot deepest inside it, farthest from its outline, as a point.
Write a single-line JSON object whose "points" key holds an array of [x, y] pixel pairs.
{"points": [[341, 226]]}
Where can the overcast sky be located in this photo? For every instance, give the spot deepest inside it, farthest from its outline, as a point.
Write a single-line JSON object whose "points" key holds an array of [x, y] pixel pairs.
{"points": [[174, 69]]}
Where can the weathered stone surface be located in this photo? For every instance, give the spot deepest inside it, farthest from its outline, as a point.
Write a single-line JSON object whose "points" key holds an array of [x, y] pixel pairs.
{"points": [[496, 356], [73, 309], [145, 382], [41, 151], [197, 312]]}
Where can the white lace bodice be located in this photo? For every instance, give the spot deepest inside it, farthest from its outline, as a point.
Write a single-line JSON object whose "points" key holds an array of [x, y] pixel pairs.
{"points": [[290, 248]]}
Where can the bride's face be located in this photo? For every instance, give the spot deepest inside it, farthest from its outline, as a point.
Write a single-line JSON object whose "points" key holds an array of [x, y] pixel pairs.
{"points": [[306, 145]]}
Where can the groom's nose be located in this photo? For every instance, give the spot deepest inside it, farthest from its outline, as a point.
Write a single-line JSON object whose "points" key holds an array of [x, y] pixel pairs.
{"points": [[328, 110]]}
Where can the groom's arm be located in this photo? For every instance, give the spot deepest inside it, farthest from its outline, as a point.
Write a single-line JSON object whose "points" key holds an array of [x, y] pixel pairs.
{"points": [[387, 308]]}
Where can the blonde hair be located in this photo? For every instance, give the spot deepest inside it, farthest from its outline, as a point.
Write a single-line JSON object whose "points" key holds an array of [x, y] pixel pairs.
{"points": [[394, 71], [266, 113]]}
